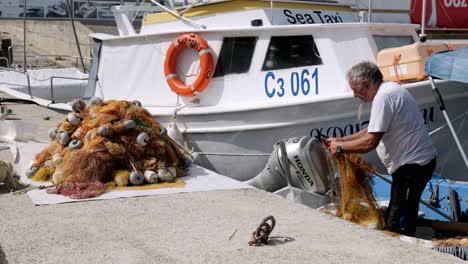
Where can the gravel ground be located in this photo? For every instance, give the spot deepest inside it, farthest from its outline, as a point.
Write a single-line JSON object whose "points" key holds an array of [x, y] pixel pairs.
{"points": [[202, 227]]}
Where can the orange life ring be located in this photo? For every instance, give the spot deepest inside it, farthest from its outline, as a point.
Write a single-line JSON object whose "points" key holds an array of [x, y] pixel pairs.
{"points": [[196, 42]]}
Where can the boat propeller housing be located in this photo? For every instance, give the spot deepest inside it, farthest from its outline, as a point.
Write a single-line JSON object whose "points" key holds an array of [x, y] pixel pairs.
{"points": [[308, 167]]}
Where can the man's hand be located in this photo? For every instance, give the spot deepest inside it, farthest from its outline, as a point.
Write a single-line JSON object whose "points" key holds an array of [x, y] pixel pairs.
{"points": [[331, 144]]}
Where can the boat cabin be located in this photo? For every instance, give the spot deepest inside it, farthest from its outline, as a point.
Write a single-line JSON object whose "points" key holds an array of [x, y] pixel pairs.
{"points": [[262, 54]]}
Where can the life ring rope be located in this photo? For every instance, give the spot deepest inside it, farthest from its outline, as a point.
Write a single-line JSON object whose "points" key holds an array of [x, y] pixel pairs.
{"points": [[194, 41]]}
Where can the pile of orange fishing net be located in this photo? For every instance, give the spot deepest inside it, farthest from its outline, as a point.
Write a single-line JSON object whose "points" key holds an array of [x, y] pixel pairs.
{"points": [[105, 144], [356, 202]]}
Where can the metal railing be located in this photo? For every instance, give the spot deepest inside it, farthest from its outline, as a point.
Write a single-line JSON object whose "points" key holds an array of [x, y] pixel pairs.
{"points": [[27, 77], [7, 61], [60, 77], [45, 56]]}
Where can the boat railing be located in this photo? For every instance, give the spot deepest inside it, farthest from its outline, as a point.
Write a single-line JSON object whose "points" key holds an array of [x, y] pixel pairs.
{"points": [[22, 72], [52, 99], [123, 13], [6, 60], [179, 15], [57, 57]]}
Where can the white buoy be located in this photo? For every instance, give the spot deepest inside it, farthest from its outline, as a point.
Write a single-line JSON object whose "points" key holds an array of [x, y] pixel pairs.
{"points": [[57, 159], [75, 144], [104, 131], [151, 176], [30, 172], [165, 175], [32, 164], [53, 133], [73, 119], [96, 101], [129, 124], [136, 103], [136, 178], [142, 139], [57, 177], [64, 138]]}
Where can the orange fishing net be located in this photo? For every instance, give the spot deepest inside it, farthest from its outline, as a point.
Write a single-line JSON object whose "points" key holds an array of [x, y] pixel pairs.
{"points": [[115, 142], [356, 202]]}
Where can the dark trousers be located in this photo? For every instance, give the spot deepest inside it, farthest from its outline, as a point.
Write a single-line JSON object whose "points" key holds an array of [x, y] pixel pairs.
{"points": [[408, 184]]}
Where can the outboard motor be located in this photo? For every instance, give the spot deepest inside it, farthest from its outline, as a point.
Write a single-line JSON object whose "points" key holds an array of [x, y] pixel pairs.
{"points": [[308, 167]]}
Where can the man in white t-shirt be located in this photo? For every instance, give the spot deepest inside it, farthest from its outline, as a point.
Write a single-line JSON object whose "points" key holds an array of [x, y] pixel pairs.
{"points": [[396, 128]]}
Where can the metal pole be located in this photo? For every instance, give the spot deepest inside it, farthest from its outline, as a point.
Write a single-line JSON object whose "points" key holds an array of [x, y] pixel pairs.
{"points": [[24, 36], [441, 104], [69, 4], [370, 12], [423, 36]]}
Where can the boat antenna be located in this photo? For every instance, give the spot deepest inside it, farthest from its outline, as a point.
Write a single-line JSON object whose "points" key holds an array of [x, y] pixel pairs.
{"points": [[271, 10], [24, 36], [72, 21], [190, 7], [423, 36]]}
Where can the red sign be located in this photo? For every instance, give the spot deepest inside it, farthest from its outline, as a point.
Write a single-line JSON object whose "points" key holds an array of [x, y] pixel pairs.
{"points": [[441, 13]]}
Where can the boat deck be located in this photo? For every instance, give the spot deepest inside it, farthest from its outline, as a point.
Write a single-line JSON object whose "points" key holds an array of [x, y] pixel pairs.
{"points": [[199, 227]]}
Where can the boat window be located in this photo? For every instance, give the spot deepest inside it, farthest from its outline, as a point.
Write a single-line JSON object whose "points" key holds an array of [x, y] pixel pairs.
{"points": [[290, 52], [384, 42], [235, 55]]}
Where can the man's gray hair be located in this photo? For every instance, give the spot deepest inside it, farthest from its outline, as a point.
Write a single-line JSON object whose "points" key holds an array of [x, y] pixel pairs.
{"points": [[364, 71]]}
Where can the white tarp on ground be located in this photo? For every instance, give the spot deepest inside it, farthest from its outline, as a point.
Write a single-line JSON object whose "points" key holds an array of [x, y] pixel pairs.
{"points": [[199, 179]]}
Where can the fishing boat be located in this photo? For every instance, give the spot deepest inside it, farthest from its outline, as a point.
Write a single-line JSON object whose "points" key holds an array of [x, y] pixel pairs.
{"points": [[257, 72]]}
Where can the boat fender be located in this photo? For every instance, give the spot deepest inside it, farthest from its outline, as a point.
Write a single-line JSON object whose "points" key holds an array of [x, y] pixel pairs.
{"points": [[75, 144], [31, 171], [78, 105], [64, 138], [151, 177], [96, 101], [58, 177], [174, 133], [142, 139], [129, 124], [73, 119], [53, 133], [57, 159], [136, 178], [104, 131], [136, 103], [194, 41]]}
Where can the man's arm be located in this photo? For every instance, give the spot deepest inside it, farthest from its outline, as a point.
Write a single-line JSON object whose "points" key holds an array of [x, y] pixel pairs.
{"points": [[354, 136], [361, 143]]}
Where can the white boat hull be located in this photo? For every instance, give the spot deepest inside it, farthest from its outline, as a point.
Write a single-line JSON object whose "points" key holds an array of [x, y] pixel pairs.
{"points": [[238, 144]]}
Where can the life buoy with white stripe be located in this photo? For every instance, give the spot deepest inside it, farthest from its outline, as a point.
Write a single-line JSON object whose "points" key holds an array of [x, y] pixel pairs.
{"points": [[196, 42]]}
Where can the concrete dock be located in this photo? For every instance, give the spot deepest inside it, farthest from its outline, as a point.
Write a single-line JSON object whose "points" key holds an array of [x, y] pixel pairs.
{"points": [[199, 227]]}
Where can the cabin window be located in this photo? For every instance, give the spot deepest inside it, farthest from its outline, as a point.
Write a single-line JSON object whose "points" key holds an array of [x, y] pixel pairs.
{"points": [[384, 42], [235, 55], [290, 52]]}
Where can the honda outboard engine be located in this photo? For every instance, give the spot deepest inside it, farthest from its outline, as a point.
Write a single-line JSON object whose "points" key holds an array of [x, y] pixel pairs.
{"points": [[308, 167]]}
